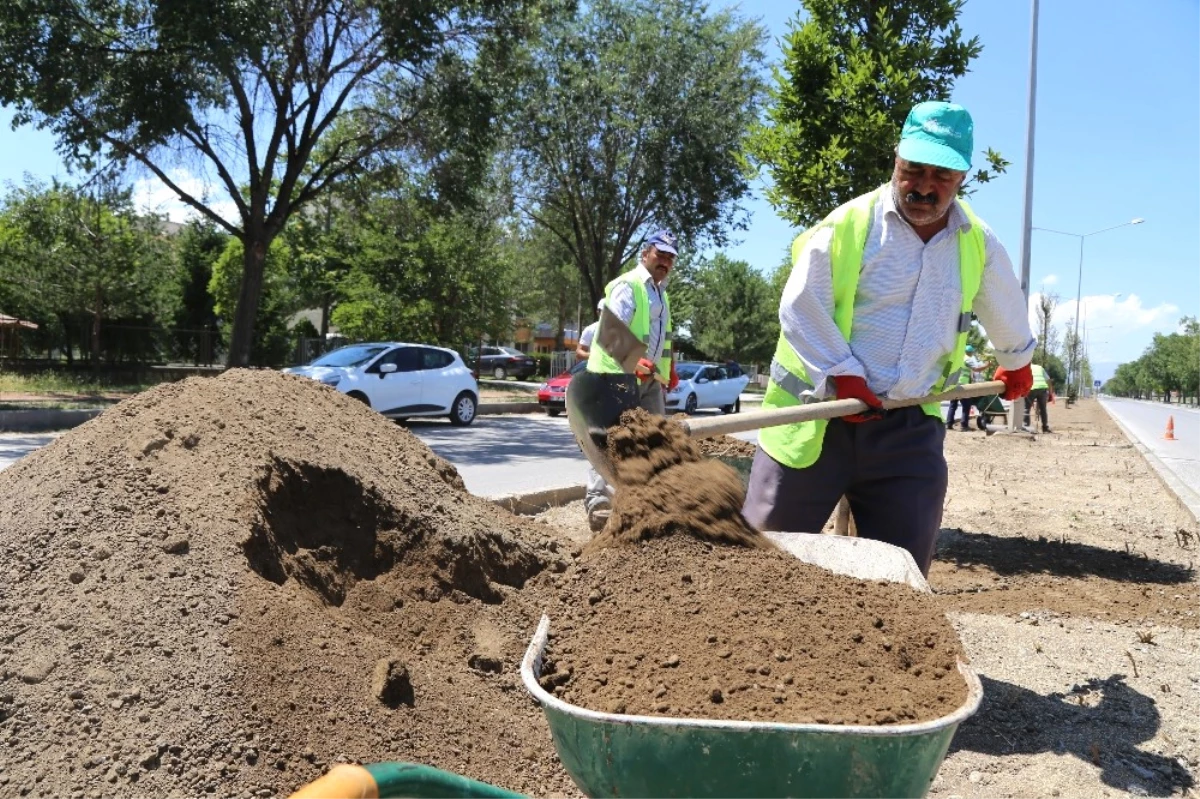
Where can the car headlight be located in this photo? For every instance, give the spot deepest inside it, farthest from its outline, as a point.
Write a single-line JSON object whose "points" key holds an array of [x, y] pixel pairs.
{"points": [[544, 387], [331, 380]]}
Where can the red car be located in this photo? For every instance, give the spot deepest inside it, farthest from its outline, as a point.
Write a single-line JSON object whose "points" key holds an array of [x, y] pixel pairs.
{"points": [[552, 395]]}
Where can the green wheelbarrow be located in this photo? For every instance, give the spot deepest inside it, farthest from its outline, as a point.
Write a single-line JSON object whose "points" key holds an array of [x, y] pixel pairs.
{"points": [[609, 754]]}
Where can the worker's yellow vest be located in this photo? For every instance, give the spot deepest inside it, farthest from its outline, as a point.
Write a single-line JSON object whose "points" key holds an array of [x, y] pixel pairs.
{"points": [[964, 376], [799, 445], [600, 361], [1039, 377]]}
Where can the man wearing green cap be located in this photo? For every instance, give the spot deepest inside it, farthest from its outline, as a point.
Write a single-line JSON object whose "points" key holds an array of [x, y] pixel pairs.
{"points": [[878, 304]]}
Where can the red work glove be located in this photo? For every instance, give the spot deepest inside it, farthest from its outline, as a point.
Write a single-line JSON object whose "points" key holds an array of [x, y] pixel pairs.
{"points": [[851, 387], [645, 369], [673, 383], [1016, 383]]}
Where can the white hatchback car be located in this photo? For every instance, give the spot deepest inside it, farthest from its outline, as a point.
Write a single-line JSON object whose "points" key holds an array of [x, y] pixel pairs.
{"points": [[706, 385], [400, 380]]}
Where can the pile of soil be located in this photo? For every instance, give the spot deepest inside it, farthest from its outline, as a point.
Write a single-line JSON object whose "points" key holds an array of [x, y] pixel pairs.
{"points": [[227, 584], [667, 487], [681, 627]]}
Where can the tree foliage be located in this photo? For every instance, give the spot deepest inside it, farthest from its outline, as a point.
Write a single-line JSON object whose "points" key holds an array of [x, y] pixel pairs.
{"points": [[274, 101], [852, 70], [634, 114], [1171, 364], [79, 259], [728, 311]]}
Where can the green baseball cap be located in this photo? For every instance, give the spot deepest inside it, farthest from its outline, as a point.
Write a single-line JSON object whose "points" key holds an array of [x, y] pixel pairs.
{"points": [[937, 133]]}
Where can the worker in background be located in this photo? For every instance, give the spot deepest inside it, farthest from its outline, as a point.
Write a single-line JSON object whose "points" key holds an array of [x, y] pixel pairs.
{"points": [[969, 374], [584, 347], [1039, 394], [639, 299], [878, 304]]}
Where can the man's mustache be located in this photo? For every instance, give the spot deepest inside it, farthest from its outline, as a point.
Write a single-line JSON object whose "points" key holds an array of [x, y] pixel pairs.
{"points": [[917, 197]]}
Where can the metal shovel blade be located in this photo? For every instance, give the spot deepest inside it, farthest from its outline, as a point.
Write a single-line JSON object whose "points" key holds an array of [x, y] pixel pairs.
{"points": [[595, 403], [615, 338]]}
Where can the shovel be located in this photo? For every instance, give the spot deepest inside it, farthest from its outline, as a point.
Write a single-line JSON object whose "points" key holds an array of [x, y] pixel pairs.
{"points": [[595, 402]]}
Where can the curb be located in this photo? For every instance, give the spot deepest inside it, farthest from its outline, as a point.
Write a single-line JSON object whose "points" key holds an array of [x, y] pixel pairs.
{"points": [[538, 501], [1188, 499], [45, 420]]}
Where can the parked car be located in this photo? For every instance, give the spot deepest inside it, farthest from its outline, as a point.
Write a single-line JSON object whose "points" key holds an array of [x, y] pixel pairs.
{"points": [[501, 362], [400, 380], [706, 385], [552, 395]]}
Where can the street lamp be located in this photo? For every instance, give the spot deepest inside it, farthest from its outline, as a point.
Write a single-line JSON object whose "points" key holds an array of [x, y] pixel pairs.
{"points": [[1079, 290]]}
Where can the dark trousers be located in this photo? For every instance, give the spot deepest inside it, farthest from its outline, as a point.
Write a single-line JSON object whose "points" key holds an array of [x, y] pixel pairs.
{"points": [[1038, 395], [892, 470], [966, 409]]}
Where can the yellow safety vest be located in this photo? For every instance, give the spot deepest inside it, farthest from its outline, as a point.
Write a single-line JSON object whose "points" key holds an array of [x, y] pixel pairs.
{"points": [[1039, 377], [799, 445], [600, 361]]}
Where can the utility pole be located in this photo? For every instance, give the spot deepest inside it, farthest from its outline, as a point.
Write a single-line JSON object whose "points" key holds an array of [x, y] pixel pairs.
{"points": [[1016, 416]]}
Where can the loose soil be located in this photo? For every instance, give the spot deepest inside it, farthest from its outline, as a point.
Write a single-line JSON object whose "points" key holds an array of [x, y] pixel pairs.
{"points": [[225, 585], [681, 627], [666, 487]]}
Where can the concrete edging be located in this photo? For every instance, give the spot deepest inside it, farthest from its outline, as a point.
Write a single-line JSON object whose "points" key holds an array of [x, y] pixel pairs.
{"points": [[1188, 499], [496, 408], [538, 501]]}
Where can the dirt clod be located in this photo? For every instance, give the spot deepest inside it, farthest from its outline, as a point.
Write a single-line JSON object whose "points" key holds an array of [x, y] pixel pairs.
{"points": [[668, 488]]}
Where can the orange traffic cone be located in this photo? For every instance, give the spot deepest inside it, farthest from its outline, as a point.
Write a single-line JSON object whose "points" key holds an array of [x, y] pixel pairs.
{"points": [[1170, 434]]}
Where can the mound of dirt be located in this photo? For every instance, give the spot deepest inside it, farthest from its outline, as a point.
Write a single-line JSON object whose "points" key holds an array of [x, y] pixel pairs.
{"points": [[748, 634], [666, 488], [225, 585], [725, 447]]}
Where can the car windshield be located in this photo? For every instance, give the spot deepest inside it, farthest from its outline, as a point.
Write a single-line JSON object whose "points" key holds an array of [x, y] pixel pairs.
{"points": [[687, 371], [354, 355]]}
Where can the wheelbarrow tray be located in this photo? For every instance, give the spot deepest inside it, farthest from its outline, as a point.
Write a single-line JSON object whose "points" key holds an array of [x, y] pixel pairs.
{"points": [[611, 754]]}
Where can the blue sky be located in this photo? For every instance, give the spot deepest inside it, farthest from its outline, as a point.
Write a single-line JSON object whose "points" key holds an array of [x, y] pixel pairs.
{"points": [[1118, 137]]}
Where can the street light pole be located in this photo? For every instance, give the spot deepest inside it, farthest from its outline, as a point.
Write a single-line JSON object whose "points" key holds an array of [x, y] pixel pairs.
{"points": [[1018, 405], [1074, 367]]}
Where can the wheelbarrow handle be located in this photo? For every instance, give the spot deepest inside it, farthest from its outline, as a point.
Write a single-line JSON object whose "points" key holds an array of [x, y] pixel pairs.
{"points": [[397, 779], [831, 409]]}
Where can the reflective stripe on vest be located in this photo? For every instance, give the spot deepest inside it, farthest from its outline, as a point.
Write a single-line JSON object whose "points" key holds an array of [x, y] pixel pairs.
{"points": [[600, 361], [1039, 378], [799, 445]]}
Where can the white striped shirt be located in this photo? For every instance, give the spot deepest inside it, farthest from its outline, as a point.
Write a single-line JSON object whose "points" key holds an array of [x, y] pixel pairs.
{"points": [[906, 310], [622, 304]]}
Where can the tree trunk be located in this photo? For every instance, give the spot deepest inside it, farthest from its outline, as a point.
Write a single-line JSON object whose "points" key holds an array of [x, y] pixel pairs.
{"points": [[253, 261], [97, 313]]}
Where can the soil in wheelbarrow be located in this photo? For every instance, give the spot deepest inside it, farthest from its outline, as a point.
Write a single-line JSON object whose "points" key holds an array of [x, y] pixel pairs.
{"points": [[667, 487], [683, 627]]}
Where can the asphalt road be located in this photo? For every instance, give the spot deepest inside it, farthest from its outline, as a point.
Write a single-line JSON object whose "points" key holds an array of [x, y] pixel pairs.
{"points": [[1180, 458]]}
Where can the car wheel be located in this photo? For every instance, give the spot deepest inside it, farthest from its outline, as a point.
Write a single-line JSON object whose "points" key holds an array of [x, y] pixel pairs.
{"points": [[690, 404], [733, 407], [361, 397], [462, 412], [499, 373], [553, 411]]}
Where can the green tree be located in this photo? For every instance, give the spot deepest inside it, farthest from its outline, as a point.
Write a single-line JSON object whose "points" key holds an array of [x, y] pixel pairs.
{"points": [[272, 102], [198, 248], [87, 257], [634, 114], [729, 312], [852, 70], [273, 342]]}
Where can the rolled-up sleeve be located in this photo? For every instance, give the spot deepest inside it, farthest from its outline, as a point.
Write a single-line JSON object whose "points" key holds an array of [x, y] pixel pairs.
{"points": [[806, 317], [1001, 308], [621, 302]]}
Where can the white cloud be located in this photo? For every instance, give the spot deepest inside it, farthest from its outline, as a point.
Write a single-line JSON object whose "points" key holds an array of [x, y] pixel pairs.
{"points": [[1050, 280], [1118, 328], [151, 194]]}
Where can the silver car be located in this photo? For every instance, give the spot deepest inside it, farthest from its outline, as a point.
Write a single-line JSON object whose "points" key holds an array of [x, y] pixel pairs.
{"points": [[399, 380]]}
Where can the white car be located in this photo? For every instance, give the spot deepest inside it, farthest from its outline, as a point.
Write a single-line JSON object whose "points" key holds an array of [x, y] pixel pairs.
{"points": [[706, 385], [400, 380]]}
